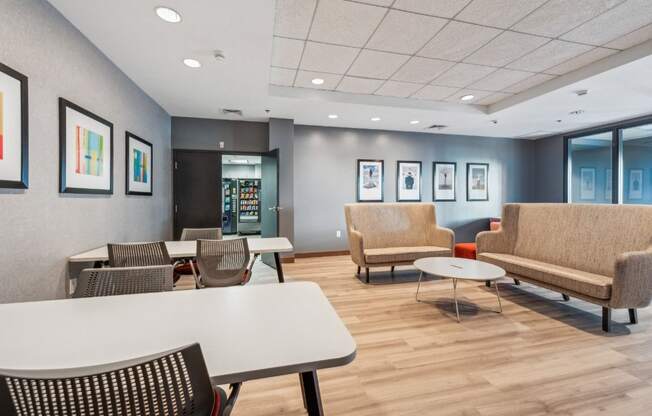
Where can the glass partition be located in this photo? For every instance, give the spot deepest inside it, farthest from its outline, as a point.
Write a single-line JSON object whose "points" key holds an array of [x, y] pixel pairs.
{"points": [[590, 169], [636, 143]]}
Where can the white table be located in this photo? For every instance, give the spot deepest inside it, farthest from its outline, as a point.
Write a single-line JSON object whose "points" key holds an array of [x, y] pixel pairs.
{"points": [[240, 338], [459, 269], [186, 249]]}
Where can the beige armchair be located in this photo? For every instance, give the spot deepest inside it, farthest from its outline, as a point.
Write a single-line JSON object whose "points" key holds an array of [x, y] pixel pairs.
{"points": [[392, 234]]}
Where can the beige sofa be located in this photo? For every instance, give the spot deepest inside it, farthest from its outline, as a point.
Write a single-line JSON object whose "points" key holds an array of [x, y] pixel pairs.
{"points": [[392, 234], [598, 253]]}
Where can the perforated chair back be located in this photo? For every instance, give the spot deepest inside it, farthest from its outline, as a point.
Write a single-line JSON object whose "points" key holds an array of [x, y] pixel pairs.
{"points": [[192, 234], [222, 262], [124, 281], [170, 383], [138, 254]]}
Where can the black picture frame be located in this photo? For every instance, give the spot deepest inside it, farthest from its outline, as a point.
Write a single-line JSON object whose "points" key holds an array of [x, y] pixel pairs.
{"points": [[434, 181], [381, 179], [128, 191], [63, 187], [468, 172], [398, 177], [23, 182]]}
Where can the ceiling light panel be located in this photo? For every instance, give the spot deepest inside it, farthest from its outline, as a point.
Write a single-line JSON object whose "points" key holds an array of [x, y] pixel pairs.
{"points": [[286, 53], [458, 40], [327, 58], [168, 15], [344, 22], [441, 8], [293, 18], [403, 32], [422, 70], [374, 64], [498, 13], [507, 47]]}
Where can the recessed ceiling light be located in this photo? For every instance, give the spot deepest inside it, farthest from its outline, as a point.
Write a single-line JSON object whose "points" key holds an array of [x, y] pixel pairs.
{"points": [[332, 116], [467, 97], [169, 15], [317, 81], [375, 118], [414, 122], [192, 63]]}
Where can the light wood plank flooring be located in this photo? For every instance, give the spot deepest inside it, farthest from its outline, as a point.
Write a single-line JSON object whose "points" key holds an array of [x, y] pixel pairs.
{"points": [[542, 356]]}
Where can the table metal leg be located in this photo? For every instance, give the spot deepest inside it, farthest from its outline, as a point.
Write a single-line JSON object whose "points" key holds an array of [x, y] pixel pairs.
{"points": [[498, 296], [419, 286], [303, 392], [311, 394], [457, 308], [279, 268]]}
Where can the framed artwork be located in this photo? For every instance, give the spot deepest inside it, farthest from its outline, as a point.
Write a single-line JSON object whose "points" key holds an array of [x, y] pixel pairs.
{"points": [[139, 156], [444, 175], [635, 184], [587, 184], [608, 185], [477, 181], [85, 151], [408, 181], [13, 129], [370, 180]]}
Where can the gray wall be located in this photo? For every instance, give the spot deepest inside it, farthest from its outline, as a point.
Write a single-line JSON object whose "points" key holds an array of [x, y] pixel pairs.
{"points": [[548, 171], [205, 134], [325, 177], [40, 227]]}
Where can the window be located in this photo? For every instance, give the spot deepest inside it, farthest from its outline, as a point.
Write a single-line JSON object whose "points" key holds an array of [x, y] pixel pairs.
{"points": [[637, 164], [590, 169]]}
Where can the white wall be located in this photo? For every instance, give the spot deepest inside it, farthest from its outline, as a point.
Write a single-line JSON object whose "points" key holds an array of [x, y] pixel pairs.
{"points": [[39, 226]]}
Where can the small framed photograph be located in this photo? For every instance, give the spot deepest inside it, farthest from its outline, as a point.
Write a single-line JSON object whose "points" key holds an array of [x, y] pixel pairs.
{"points": [[85, 151], [444, 175], [477, 181], [370, 179], [408, 181], [587, 184], [635, 184], [14, 148], [608, 185], [139, 165]]}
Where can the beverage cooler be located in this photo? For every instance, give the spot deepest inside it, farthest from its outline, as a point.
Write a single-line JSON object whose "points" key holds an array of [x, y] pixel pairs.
{"points": [[229, 206]]}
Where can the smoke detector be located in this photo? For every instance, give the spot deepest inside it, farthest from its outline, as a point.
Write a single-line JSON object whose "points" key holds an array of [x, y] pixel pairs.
{"points": [[219, 56]]}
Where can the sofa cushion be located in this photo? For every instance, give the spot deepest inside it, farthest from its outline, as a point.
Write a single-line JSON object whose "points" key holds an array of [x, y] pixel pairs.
{"points": [[589, 284], [403, 254]]}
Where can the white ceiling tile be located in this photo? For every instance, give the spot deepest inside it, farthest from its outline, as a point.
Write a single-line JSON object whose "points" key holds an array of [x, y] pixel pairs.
{"points": [[591, 56], [505, 48], [458, 40], [398, 89], [551, 54], [384, 3], [498, 13], [500, 80], [327, 58], [293, 18], [374, 64], [462, 75], [359, 85], [559, 16], [441, 8], [435, 92], [304, 80], [282, 76], [493, 98], [344, 22], [632, 39], [477, 96], [528, 83], [286, 53], [404, 32], [619, 21], [421, 70]]}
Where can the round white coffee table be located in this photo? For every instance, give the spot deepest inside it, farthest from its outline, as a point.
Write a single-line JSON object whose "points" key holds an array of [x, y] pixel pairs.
{"points": [[459, 269]]}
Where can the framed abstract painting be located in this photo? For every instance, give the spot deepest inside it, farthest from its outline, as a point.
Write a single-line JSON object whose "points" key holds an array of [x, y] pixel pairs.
{"points": [[85, 151], [477, 181], [139, 165], [13, 129], [408, 181], [370, 180]]}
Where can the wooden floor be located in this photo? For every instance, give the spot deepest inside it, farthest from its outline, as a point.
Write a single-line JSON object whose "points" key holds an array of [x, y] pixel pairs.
{"points": [[542, 356]]}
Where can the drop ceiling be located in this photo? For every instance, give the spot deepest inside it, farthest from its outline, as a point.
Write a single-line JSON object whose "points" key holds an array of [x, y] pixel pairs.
{"points": [[397, 60]]}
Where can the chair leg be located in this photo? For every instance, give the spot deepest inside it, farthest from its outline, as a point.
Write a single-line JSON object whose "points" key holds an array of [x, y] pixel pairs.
{"points": [[606, 319], [367, 273], [565, 296], [487, 283], [517, 282], [392, 269], [633, 316], [358, 270]]}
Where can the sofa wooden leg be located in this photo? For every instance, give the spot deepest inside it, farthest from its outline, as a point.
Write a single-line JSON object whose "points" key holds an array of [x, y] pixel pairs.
{"points": [[358, 270], [392, 269], [565, 296], [487, 283], [517, 282], [633, 316], [606, 319], [367, 273]]}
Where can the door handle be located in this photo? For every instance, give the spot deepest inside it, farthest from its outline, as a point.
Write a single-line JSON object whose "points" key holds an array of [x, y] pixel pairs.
{"points": [[277, 209]]}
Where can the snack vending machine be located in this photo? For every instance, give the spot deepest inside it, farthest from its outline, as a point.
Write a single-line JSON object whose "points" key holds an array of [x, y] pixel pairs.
{"points": [[249, 206], [229, 206]]}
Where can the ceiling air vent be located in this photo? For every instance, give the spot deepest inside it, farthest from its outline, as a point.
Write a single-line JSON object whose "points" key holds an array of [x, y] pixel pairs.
{"points": [[232, 111], [436, 127]]}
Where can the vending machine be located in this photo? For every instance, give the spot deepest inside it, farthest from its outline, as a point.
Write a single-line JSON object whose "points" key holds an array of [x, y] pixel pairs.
{"points": [[229, 206], [249, 206]]}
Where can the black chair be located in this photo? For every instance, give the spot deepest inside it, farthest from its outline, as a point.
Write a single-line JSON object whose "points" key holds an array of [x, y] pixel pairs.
{"points": [[174, 383]]}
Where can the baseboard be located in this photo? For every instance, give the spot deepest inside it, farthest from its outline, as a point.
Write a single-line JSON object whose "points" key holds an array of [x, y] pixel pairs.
{"points": [[321, 254]]}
